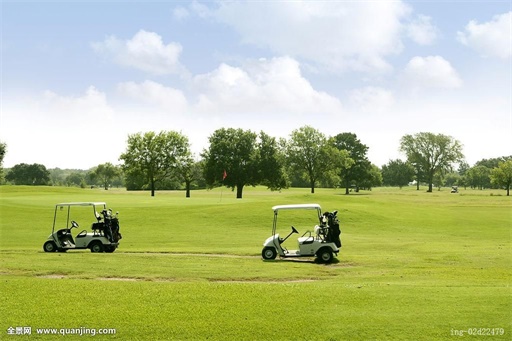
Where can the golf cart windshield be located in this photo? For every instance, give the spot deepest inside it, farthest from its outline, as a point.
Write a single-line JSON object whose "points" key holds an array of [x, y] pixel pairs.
{"points": [[278, 208], [65, 216], [298, 207]]}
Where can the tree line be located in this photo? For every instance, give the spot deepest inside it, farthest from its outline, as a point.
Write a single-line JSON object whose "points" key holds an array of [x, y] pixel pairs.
{"points": [[236, 158]]}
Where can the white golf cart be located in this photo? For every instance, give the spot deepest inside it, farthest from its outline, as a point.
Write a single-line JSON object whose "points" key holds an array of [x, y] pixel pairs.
{"points": [[323, 242], [103, 237]]}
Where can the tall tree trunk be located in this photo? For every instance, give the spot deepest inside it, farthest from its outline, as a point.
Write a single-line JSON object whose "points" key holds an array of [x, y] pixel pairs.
{"points": [[187, 189], [312, 183], [430, 179], [152, 187], [239, 189]]}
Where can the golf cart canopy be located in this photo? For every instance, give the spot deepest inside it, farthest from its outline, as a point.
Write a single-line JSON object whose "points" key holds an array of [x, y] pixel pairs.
{"points": [[82, 204], [296, 207]]}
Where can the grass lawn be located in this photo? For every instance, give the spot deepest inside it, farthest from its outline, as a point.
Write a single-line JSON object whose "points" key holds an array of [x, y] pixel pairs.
{"points": [[413, 266]]}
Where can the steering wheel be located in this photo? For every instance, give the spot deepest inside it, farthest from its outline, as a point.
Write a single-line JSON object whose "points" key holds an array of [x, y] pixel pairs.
{"points": [[74, 224]]}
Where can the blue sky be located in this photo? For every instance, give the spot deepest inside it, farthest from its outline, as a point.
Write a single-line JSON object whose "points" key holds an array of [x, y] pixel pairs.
{"points": [[77, 77]]}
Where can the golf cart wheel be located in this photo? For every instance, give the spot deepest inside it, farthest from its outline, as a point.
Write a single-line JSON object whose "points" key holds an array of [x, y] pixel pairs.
{"points": [[325, 255], [97, 247], [269, 253], [49, 246]]}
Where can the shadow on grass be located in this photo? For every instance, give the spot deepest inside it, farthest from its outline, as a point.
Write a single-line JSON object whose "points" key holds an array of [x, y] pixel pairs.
{"points": [[303, 260]]}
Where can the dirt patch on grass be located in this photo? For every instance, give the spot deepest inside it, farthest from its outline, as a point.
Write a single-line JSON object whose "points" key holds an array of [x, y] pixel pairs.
{"points": [[189, 254], [262, 281], [53, 276], [124, 279]]}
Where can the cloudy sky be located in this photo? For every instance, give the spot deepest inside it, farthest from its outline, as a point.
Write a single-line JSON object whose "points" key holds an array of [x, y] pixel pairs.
{"points": [[77, 77]]}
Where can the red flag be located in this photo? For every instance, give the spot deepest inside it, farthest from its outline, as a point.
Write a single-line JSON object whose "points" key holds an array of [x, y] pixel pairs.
{"points": [[224, 175]]}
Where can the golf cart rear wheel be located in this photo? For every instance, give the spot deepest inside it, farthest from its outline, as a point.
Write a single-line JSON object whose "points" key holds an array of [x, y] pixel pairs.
{"points": [[269, 253], [325, 255], [49, 246], [97, 247]]}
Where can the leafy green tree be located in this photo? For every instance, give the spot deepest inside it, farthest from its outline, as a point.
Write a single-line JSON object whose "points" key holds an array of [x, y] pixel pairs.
{"points": [[502, 175], [271, 163], [24, 174], [453, 179], [190, 171], [3, 151], [76, 179], [155, 157], [361, 169], [478, 177], [493, 162], [373, 178], [105, 173], [237, 158], [462, 170], [309, 153], [231, 159], [397, 173], [431, 153]]}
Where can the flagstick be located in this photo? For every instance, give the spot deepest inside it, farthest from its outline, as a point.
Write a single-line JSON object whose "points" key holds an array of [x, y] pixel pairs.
{"points": [[224, 175]]}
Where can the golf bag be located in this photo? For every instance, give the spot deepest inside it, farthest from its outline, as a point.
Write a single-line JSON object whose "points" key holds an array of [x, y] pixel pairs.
{"points": [[333, 232], [111, 228]]}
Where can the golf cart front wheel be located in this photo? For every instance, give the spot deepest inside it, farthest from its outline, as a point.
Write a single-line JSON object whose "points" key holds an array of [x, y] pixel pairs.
{"points": [[325, 255], [269, 253], [49, 246]]}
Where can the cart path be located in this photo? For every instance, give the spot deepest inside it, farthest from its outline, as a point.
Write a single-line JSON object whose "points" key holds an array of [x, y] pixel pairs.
{"points": [[187, 254], [160, 279]]}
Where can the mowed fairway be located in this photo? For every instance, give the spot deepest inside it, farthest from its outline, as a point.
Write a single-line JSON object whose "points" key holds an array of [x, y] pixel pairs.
{"points": [[414, 266]]}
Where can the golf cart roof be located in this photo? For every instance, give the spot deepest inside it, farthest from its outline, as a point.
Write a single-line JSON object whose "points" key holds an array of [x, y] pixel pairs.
{"points": [[99, 203], [296, 207]]}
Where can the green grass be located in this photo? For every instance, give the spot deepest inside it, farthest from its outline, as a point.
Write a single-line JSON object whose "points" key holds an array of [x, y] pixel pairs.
{"points": [[414, 266]]}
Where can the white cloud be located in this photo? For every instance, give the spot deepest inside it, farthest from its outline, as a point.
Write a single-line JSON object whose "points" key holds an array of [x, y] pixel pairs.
{"points": [[151, 92], [145, 51], [91, 106], [371, 100], [76, 131], [275, 87], [490, 39], [422, 31], [180, 13], [431, 72], [338, 36]]}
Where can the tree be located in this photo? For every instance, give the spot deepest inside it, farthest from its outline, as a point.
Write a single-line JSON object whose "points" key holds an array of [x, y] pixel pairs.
{"points": [[373, 178], [361, 167], [463, 168], [24, 174], [308, 153], [190, 171], [231, 159], [155, 157], [431, 153], [397, 173], [3, 151], [502, 175], [478, 177], [493, 162], [271, 161], [105, 172], [453, 179], [76, 179]]}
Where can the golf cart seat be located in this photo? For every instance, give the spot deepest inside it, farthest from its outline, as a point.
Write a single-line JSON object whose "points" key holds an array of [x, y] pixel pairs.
{"points": [[65, 237], [98, 228]]}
